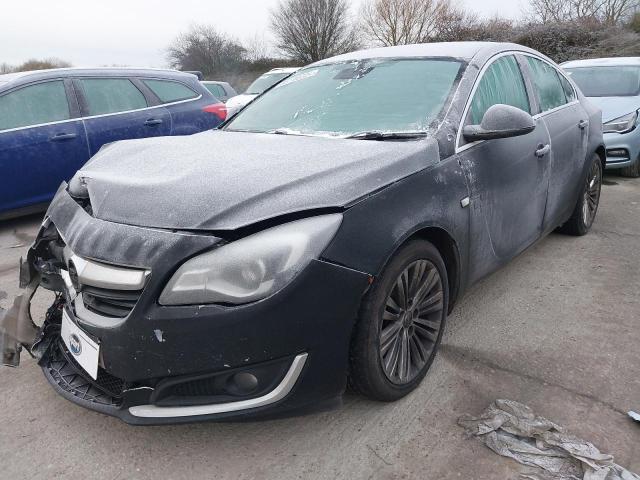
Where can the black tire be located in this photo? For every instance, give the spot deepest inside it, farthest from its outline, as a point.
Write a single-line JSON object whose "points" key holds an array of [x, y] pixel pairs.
{"points": [[586, 208], [418, 264], [632, 171]]}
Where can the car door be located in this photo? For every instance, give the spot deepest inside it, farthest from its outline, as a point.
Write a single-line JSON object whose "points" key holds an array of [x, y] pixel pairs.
{"points": [[42, 142], [114, 108], [507, 177], [567, 123]]}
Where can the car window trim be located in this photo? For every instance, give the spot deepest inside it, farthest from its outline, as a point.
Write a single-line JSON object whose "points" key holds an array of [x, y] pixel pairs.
{"points": [[90, 117], [462, 148], [74, 113], [171, 80], [149, 95], [72, 98], [100, 116], [560, 73], [534, 102], [84, 103]]}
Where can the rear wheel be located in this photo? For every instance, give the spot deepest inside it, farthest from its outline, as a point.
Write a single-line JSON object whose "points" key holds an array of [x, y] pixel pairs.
{"points": [[585, 211], [632, 171], [400, 324]]}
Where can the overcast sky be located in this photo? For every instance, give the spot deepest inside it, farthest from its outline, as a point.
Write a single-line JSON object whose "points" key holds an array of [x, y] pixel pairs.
{"points": [[136, 32]]}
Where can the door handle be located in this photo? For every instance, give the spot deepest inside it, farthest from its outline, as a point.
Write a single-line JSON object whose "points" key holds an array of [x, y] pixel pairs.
{"points": [[60, 137], [542, 150], [152, 122], [583, 124]]}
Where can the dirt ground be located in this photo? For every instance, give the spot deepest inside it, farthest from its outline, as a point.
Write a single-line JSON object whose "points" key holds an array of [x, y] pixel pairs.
{"points": [[557, 329]]}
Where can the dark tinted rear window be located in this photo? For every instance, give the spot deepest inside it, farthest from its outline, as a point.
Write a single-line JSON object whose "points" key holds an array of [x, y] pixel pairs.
{"points": [[168, 91]]}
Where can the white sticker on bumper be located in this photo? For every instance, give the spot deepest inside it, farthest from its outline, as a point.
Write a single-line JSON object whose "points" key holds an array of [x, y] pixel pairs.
{"points": [[84, 350]]}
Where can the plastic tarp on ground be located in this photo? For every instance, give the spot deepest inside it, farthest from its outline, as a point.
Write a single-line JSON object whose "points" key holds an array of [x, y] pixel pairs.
{"points": [[512, 430]]}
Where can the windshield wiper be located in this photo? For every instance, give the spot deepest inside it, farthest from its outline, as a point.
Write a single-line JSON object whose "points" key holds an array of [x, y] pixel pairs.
{"points": [[378, 135]]}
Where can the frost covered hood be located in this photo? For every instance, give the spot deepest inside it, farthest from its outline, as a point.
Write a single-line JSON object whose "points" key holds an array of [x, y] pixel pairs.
{"points": [[221, 180], [615, 107]]}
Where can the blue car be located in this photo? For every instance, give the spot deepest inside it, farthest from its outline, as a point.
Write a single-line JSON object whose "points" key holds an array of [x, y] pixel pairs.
{"points": [[613, 84], [53, 121]]}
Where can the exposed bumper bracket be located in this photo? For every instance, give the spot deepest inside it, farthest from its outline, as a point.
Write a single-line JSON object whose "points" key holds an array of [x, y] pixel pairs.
{"points": [[16, 326]]}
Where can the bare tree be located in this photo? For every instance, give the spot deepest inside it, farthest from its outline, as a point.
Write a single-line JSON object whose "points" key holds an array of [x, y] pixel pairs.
{"points": [[614, 12], [462, 26], [551, 11], [205, 49], [402, 22], [257, 48], [310, 30], [607, 12]]}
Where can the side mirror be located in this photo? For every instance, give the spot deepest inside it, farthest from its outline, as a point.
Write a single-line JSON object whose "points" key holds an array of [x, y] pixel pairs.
{"points": [[500, 121]]}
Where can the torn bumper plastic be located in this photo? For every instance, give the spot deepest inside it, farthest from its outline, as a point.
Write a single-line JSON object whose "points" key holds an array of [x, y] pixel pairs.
{"points": [[17, 329]]}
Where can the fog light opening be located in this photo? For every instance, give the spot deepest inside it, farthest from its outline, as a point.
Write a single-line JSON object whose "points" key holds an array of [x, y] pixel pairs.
{"points": [[617, 153], [243, 383]]}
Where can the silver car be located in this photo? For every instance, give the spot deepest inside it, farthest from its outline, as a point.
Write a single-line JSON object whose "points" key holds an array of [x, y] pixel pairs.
{"points": [[221, 90], [259, 86], [613, 84]]}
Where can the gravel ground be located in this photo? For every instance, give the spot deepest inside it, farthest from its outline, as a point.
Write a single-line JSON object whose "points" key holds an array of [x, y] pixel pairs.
{"points": [[557, 329]]}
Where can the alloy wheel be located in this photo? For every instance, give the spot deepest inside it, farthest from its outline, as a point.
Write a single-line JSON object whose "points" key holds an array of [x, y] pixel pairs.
{"points": [[411, 322], [592, 194]]}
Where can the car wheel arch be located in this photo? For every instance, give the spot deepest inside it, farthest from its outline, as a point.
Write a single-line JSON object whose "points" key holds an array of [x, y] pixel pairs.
{"points": [[602, 153], [448, 248]]}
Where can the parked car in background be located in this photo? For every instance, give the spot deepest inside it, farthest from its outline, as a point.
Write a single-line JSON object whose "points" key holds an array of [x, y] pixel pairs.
{"points": [[259, 86], [53, 121], [613, 84], [221, 90], [321, 236]]}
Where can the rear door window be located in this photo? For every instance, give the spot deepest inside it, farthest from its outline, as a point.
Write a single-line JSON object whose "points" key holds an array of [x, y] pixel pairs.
{"points": [[168, 91], [547, 81], [33, 105], [502, 83], [111, 95]]}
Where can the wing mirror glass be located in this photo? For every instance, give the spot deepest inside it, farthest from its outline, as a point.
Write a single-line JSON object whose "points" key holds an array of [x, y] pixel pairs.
{"points": [[500, 121]]}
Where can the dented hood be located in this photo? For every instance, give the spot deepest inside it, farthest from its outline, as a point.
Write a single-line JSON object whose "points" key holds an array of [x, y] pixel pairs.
{"points": [[221, 180]]}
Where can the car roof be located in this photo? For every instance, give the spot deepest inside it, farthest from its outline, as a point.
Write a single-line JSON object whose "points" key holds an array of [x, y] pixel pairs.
{"points": [[603, 62], [216, 82], [465, 51], [24, 77]]}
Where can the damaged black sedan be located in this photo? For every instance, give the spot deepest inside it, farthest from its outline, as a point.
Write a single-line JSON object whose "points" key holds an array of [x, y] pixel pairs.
{"points": [[318, 239]]}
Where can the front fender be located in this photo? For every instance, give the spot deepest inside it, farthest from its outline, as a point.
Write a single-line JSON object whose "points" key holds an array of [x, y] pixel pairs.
{"points": [[375, 228]]}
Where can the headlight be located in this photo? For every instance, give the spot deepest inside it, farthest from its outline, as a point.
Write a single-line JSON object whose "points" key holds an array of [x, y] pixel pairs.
{"points": [[251, 268], [621, 125]]}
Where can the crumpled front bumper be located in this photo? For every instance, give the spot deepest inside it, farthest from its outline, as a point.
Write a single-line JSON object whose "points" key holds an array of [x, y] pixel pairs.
{"points": [[298, 339]]}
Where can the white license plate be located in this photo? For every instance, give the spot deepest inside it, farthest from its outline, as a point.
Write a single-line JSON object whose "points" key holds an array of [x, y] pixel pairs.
{"points": [[84, 350]]}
